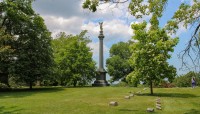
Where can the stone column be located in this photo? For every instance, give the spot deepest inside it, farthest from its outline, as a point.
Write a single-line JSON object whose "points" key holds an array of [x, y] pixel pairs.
{"points": [[101, 72]]}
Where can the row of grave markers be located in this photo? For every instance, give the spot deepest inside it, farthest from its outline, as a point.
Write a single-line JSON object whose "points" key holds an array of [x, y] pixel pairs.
{"points": [[115, 103], [158, 101], [158, 106]]}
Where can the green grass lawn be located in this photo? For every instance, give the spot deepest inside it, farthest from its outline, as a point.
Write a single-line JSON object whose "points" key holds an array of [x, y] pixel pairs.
{"points": [[91, 100]]}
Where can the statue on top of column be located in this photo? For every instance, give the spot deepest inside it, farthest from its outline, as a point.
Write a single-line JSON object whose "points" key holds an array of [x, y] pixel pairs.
{"points": [[101, 24]]}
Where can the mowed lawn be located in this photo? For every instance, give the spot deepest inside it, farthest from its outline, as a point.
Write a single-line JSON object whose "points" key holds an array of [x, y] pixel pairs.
{"points": [[92, 100]]}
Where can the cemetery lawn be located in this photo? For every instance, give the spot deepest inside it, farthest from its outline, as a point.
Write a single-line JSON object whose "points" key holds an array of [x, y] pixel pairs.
{"points": [[92, 100]]}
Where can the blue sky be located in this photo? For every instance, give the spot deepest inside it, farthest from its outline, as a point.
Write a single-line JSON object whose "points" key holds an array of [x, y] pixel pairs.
{"points": [[68, 16]]}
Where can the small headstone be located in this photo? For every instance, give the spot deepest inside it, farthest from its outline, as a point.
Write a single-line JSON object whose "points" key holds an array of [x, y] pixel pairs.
{"points": [[158, 102], [131, 95], [127, 97], [150, 110], [159, 108], [159, 105], [113, 103], [145, 89]]}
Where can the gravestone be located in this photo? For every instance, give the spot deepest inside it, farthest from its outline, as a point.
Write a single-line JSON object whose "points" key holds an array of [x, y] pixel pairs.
{"points": [[113, 103], [150, 110], [127, 97]]}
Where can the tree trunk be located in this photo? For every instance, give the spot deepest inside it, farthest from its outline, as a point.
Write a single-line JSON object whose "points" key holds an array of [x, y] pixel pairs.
{"points": [[75, 82], [151, 87], [4, 78], [31, 85]]}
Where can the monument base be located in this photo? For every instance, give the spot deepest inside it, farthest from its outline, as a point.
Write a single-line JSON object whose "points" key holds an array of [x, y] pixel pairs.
{"points": [[100, 83]]}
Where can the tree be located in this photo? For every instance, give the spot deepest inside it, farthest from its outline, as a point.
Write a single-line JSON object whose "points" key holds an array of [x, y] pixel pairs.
{"points": [[6, 54], [118, 65], [73, 57], [150, 53], [33, 51]]}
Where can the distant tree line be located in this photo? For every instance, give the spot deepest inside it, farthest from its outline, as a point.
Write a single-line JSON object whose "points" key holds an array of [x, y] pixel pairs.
{"points": [[185, 80]]}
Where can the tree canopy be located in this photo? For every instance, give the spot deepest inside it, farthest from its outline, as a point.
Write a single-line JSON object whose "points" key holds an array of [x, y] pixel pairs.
{"points": [[74, 63], [6, 55], [32, 46], [118, 65]]}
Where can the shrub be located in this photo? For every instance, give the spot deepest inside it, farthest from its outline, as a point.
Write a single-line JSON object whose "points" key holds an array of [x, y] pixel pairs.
{"points": [[4, 86]]}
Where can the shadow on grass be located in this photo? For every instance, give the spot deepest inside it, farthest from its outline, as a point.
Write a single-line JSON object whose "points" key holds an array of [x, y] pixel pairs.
{"points": [[127, 110], [175, 95], [193, 111], [9, 110], [23, 92], [133, 111]]}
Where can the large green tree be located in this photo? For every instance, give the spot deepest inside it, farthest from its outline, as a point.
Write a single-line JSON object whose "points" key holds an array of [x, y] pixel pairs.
{"points": [[150, 53], [33, 51], [6, 55], [74, 63], [118, 65]]}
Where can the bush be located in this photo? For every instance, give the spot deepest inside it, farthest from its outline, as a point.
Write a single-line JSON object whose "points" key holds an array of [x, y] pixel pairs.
{"points": [[185, 80], [4, 86]]}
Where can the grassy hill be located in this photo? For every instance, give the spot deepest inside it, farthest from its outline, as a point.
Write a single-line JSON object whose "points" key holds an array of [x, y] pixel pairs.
{"points": [[91, 100]]}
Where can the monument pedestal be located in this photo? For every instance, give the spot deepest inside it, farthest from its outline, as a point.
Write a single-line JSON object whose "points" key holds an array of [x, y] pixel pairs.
{"points": [[100, 83], [100, 79]]}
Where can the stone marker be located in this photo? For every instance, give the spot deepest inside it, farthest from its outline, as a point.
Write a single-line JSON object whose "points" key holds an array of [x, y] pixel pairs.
{"points": [[158, 104], [159, 108], [131, 95], [150, 110], [113, 103], [127, 97]]}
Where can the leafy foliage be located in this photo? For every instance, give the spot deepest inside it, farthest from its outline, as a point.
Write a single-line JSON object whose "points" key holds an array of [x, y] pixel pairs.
{"points": [[6, 54], [150, 53], [74, 64], [185, 80], [33, 51], [118, 64], [93, 4]]}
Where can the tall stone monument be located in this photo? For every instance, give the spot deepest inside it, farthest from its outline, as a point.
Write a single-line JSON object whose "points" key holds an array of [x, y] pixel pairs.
{"points": [[101, 72]]}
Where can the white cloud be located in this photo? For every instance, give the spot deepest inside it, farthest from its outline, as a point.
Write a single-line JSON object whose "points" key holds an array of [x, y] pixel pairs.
{"points": [[181, 29], [60, 24], [114, 30]]}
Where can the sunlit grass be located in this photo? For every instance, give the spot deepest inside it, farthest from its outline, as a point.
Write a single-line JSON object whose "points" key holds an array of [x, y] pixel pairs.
{"points": [[91, 100]]}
